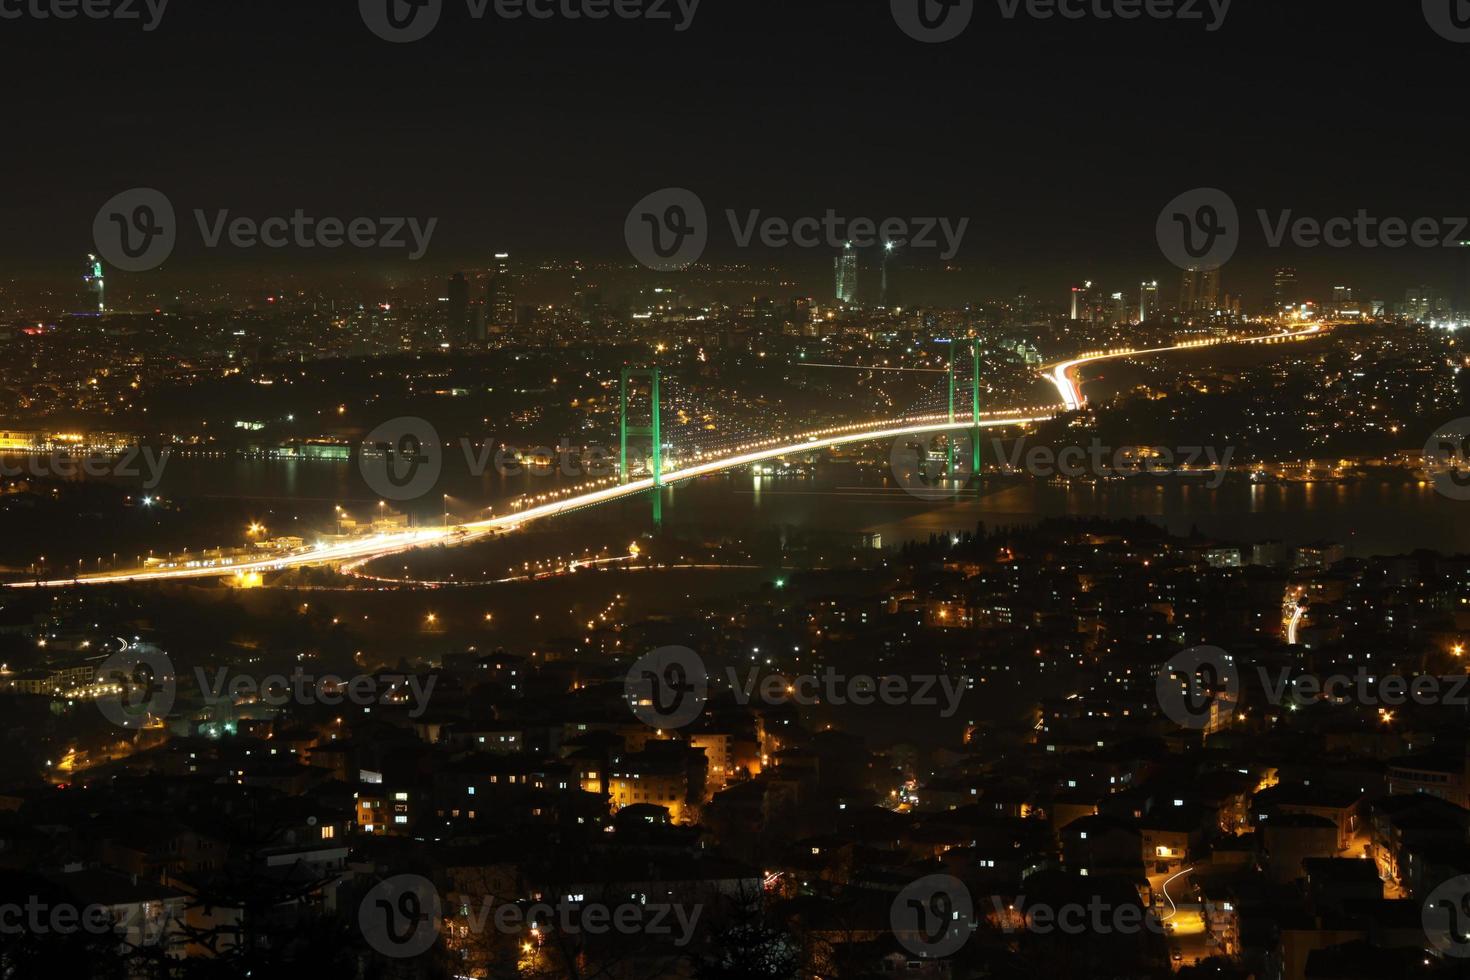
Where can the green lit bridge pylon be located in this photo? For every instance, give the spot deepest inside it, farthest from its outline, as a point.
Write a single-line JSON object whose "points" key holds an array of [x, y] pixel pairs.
{"points": [[651, 431], [975, 457]]}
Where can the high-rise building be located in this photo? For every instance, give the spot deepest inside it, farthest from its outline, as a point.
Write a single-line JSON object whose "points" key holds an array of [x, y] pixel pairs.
{"points": [[1200, 290], [888, 296], [1082, 301], [1148, 300], [846, 269], [1286, 289], [500, 296], [96, 284], [1419, 303], [1462, 279], [1118, 308], [457, 309]]}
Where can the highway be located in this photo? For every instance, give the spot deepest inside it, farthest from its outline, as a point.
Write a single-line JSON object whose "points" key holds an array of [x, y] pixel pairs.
{"points": [[1062, 375], [380, 545]]}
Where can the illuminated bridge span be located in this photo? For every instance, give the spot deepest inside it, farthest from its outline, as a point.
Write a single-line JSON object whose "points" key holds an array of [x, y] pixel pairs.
{"points": [[380, 545], [1064, 375]]}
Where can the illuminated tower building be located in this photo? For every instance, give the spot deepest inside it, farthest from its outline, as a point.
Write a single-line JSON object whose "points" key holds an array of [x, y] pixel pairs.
{"points": [[1082, 302], [1148, 301], [500, 296], [457, 300], [1462, 279], [888, 297], [1200, 290], [846, 268], [1286, 294], [1118, 308], [95, 281]]}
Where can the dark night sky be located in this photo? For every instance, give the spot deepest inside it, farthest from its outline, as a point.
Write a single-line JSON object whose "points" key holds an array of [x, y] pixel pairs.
{"points": [[1060, 140]]}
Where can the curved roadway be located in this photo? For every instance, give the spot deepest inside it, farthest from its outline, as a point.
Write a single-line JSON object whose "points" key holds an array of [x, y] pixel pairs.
{"points": [[1062, 375]]}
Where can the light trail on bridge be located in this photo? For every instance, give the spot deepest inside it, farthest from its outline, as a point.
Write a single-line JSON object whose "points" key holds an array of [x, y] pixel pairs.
{"points": [[382, 545], [1063, 375]]}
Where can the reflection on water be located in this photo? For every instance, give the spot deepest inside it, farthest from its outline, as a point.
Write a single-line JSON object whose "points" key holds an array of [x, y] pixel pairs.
{"points": [[1370, 516]]}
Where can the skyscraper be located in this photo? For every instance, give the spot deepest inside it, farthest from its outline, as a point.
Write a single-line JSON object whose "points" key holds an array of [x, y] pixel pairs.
{"points": [[846, 268], [1082, 301], [1148, 300], [1200, 290], [95, 282], [500, 297], [457, 309], [889, 293], [1286, 292]]}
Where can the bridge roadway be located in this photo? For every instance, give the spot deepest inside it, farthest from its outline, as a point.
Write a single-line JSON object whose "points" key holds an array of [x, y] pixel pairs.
{"points": [[358, 551]]}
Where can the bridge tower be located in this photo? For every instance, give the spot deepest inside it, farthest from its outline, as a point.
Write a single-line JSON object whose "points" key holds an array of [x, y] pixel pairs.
{"points": [[975, 456], [651, 431]]}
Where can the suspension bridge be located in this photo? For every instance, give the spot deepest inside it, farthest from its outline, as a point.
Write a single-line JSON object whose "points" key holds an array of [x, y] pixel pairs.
{"points": [[644, 388]]}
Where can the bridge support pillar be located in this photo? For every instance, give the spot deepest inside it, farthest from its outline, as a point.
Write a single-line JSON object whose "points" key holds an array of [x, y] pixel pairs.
{"points": [[652, 431]]}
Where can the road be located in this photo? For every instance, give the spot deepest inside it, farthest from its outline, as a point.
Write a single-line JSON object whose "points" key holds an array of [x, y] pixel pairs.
{"points": [[1064, 375], [365, 549], [381, 545]]}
